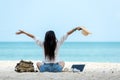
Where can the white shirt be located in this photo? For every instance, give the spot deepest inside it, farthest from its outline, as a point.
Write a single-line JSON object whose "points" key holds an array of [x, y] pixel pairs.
{"points": [[59, 43]]}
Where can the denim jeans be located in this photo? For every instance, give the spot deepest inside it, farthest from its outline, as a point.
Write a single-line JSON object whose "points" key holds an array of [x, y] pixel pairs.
{"points": [[50, 67]]}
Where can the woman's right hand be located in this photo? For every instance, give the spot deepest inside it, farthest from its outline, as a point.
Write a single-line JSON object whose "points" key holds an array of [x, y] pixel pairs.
{"points": [[79, 28], [20, 32]]}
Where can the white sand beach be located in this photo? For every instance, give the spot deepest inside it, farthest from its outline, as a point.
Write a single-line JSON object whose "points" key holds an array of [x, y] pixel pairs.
{"points": [[92, 71]]}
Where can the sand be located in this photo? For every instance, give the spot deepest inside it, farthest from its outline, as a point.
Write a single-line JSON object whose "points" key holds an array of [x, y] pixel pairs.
{"points": [[92, 71]]}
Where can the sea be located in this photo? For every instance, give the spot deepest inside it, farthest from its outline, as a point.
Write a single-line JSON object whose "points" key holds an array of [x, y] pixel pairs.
{"points": [[69, 51]]}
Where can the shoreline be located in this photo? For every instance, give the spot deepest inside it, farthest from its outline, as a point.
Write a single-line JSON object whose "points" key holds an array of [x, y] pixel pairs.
{"points": [[92, 71]]}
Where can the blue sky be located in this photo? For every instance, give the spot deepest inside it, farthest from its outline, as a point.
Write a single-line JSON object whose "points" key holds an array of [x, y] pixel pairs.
{"points": [[101, 17]]}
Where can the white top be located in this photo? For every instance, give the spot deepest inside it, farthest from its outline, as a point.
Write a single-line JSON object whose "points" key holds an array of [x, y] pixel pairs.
{"points": [[59, 43]]}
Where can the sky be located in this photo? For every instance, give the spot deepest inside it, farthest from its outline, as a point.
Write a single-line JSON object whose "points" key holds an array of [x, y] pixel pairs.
{"points": [[101, 17]]}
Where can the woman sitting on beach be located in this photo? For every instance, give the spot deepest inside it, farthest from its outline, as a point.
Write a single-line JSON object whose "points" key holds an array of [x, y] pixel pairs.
{"points": [[50, 47]]}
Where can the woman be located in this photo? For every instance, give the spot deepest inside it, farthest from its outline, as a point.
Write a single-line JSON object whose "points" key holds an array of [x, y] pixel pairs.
{"points": [[50, 47]]}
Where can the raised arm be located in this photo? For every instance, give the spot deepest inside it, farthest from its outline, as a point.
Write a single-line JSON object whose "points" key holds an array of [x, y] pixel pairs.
{"points": [[68, 33], [23, 32], [73, 30]]}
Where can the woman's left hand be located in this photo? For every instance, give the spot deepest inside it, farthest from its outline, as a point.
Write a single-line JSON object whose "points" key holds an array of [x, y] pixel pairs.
{"points": [[19, 32]]}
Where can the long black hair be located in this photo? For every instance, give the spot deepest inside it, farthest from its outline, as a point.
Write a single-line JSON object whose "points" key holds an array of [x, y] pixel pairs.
{"points": [[50, 45]]}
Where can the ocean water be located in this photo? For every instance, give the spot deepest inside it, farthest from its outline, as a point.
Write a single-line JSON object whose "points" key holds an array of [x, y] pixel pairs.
{"points": [[69, 51]]}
